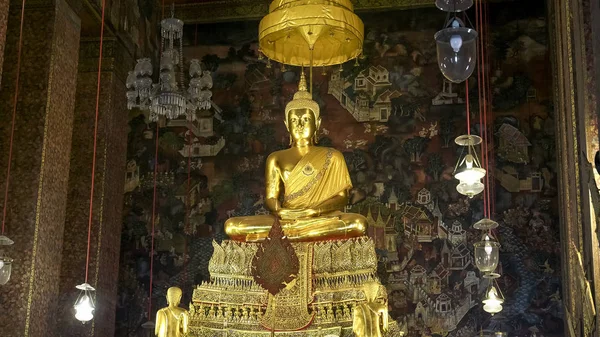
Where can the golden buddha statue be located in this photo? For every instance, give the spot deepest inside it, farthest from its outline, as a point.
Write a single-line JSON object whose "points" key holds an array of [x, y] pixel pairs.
{"points": [[315, 183], [172, 321], [371, 317]]}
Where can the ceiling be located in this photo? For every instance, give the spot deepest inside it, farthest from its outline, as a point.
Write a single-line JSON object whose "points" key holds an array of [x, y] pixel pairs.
{"points": [[211, 11]]}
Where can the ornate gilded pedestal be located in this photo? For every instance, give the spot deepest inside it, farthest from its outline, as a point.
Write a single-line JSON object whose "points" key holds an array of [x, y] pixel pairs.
{"points": [[319, 302]]}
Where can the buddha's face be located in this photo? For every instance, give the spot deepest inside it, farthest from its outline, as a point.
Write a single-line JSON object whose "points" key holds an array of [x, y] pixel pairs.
{"points": [[302, 124]]}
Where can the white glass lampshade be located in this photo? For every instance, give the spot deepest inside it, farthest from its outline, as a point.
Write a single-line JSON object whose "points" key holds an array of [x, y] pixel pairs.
{"points": [[453, 5], [456, 51], [493, 302], [470, 174], [486, 254], [84, 306], [5, 270], [468, 168], [470, 189]]}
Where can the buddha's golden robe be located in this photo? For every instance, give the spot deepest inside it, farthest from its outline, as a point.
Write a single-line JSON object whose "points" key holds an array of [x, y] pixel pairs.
{"points": [[171, 322], [370, 319], [319, 176]]}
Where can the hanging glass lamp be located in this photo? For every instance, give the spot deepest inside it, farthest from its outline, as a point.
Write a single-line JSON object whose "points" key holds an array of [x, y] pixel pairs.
{"points": [[456, 43], [468, 170], [487, 255], [5, 261], [487, 251], [85, 306], [493, 299], [456, 51]]}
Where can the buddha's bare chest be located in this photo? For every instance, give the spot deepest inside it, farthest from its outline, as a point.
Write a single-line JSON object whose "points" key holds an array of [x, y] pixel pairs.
{"points": [[288, 162]]}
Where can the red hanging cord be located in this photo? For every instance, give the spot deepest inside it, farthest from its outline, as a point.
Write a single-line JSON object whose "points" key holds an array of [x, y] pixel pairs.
{"points": [[187, 208], [491, 185], [479, 47], [484, 30], [154, 201], [153, 220], [14, 114], [468, 107], [91, 218]]}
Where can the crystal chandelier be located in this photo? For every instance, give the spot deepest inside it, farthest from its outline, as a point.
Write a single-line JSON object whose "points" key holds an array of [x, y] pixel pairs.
{"points": [[169, 98]]}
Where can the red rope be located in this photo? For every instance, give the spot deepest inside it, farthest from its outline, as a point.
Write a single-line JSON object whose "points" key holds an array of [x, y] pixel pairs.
{"points": [[14, 114], [187, 209], [468, 107], [484, 30], [87, 262], [154, 200], [153, 220], [491, 205], [479, 48]]}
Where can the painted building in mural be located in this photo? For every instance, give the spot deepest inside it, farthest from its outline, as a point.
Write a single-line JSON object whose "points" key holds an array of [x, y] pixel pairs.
{"points": [[394, 119]]}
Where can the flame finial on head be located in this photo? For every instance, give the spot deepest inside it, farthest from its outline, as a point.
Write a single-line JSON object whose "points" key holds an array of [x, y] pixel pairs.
{"points": [[303, 100]]}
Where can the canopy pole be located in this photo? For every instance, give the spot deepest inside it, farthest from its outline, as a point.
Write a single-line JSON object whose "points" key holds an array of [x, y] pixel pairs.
{"points": [[311, 71]]}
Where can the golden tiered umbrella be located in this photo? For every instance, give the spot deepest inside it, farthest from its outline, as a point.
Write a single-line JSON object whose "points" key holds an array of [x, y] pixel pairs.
{"points": [[311, 32]]}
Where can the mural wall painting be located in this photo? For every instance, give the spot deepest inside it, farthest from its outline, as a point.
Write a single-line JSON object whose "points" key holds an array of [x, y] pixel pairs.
{"points": [[395, 119]]}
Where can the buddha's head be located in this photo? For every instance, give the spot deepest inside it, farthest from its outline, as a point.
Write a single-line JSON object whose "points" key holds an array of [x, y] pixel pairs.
{"points": [[174, 296], [372, 290], [302, 116]]}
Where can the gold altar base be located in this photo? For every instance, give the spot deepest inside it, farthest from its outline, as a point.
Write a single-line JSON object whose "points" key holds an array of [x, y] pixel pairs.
{"points": [[319, 302]]}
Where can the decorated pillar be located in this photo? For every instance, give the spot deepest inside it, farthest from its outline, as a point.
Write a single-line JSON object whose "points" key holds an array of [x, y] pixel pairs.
{"points": [[109, 187], [3, 21], [574, 54], [40, 163]]}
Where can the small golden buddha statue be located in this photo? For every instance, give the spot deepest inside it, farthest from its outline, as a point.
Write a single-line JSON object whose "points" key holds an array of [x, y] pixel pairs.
{"points": [[371, 318], [315, 183], [172, 321]]}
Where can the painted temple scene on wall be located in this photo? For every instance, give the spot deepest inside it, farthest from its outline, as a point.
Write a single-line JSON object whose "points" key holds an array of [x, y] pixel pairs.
{"points": [[299, 168], [394, 118]]}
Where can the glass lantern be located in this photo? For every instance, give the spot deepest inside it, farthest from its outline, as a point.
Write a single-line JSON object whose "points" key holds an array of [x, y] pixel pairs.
{"points": [[85, 306], [456, 50], [5, 261], [487, 255], [468, 170], [493, 299], [5, 269]]}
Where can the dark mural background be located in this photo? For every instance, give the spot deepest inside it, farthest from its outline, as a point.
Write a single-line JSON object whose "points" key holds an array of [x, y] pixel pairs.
{"points": [[397, 137]]}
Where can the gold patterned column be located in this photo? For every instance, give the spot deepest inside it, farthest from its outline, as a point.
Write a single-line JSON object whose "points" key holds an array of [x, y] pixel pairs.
{"points": [[40, 167], [109, 185], [3, 21], [575, 115]]}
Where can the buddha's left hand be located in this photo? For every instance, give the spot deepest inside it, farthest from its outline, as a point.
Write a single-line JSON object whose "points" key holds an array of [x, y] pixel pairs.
{"points": [[291, 214]]}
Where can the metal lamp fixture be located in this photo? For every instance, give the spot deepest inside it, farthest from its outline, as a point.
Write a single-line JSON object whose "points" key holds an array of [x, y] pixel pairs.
{"points": [[492, 303], [85, 306], [456, 43], [468, 168]]}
